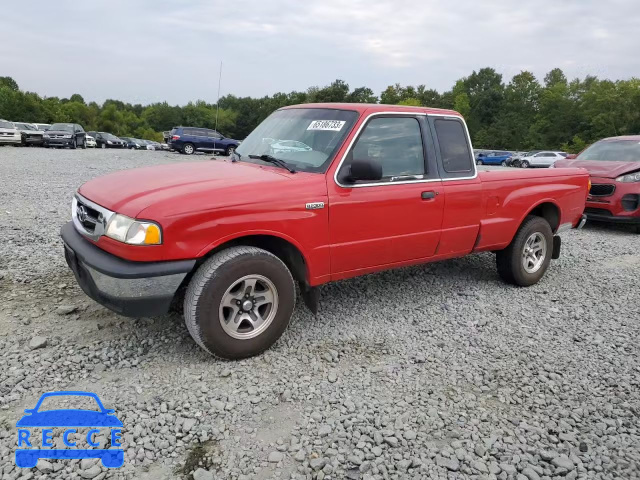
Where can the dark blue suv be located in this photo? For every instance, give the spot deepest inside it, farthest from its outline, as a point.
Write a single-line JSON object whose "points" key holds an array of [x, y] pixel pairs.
{"points": [[189, 140]]}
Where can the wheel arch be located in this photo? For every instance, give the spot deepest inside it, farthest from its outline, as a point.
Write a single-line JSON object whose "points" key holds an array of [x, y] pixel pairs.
{"points": [[286, 249], [548, 210]]}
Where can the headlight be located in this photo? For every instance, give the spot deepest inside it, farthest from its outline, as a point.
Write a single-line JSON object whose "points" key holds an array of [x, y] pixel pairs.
{"points": [[629, 177], [109, 142], [133, 232], [66, 136], [46, 135]]}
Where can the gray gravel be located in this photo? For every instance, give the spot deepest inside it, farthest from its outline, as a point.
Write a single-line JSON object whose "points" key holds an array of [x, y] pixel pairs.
{"points": [[438, 371]]}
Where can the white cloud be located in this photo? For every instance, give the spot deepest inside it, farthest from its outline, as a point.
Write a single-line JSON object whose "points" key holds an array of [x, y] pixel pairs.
{"points": [[152, 50]]}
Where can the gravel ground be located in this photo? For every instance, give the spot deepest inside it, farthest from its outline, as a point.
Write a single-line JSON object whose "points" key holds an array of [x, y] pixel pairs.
{"points": [[439, 371]]}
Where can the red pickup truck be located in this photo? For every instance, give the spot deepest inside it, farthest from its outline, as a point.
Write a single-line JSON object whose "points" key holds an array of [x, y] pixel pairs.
{"points": [[316, 193]]}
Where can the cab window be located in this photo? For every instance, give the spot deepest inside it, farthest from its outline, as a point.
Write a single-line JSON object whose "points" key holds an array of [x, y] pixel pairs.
{"points": [[395, 143]]}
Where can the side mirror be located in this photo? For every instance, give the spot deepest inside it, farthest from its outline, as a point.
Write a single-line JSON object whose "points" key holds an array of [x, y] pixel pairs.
{"points": [[364, 170], [571, 156]]}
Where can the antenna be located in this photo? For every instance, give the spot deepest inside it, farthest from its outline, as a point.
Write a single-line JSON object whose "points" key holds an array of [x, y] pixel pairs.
{"points": [[218, 101]]}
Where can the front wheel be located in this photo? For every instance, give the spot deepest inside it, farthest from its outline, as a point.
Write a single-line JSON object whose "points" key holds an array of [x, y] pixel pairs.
{"points": [[524, 164], [239, 302], [479, 162], [504, 163], [526, 259], [104, 145], [229, 151], [84, 144], [74, 144]]}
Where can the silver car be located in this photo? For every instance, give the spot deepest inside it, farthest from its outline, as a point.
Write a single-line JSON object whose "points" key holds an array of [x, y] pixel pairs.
{"points": [[542, 159]]}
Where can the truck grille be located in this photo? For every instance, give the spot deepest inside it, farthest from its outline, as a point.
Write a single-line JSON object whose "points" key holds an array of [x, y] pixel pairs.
{"points": [[89, 218], [601, 190]]}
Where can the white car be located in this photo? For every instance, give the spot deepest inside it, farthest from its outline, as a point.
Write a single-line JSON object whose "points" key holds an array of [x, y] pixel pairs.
{"points": [[541, 159], [90, 142], [9, 134]]}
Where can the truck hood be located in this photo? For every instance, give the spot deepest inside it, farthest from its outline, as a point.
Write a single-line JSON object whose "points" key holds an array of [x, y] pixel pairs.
{"points": [[179, 188], [600, 169]]}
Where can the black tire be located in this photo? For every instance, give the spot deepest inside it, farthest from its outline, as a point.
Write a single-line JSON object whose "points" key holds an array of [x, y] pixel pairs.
{"points": [[74, 144], [208, 286], [479, 162], [230, 149], [524, 164], [188, 149], [103, 145], [84, 143], [510, 260]]}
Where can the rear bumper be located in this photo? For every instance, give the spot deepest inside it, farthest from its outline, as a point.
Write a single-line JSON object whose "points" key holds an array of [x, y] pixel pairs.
{"points": [[133, 289]]}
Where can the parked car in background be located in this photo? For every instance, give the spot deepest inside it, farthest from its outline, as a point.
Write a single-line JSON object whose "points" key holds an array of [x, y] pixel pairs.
{"points": [[107, 140], [614, 166], [29, 133], [515, 160], [9, 134], [164, 146], [189, 140], [542, 159], [91, 142], [145, 144], [155, 145], [63, 135], [42, 126], [494, 158], [132, 143]]}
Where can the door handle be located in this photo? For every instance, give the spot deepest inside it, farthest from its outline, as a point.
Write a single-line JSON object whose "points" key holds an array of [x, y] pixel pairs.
{"points": [[429, 195]]}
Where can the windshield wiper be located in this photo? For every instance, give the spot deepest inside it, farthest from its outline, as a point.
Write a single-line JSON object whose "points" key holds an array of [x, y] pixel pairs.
{"points": [[275, 161]]}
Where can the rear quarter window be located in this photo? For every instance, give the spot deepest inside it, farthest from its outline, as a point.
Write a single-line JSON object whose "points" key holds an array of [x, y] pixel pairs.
{"points": [[454, 147]]}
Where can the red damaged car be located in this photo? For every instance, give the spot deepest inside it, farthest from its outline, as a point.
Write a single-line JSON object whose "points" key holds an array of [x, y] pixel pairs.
{"points": [[614, 166]]}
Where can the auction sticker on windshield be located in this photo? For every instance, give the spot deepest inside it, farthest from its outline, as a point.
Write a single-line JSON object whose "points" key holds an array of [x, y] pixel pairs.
{"points": [[332, 125]]}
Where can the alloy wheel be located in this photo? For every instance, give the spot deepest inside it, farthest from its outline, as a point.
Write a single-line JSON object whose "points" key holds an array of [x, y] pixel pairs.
{"points": [[248, 307]]}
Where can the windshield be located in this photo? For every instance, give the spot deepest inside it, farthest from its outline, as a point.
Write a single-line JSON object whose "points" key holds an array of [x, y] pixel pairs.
{"points": [[108, 136], [306, 138], [66, 127], [612, 151], [24, 126], [6, 124]]}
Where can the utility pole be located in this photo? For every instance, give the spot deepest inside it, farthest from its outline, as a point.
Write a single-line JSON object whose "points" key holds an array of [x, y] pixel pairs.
{"points": [[218, 102]]}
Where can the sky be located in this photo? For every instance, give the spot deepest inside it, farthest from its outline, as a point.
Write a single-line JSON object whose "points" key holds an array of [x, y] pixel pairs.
{"points": [[145, 51]]}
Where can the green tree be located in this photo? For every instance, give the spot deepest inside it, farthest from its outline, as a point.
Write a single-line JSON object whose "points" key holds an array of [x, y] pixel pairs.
{"points": [[9, 83]]}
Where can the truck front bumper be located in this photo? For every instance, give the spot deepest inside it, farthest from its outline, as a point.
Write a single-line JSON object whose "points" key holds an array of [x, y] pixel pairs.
{"points": [[133, 289]]}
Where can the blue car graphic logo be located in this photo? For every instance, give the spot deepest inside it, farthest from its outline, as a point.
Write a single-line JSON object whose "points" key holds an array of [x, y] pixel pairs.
{"points": [[70, 419]]}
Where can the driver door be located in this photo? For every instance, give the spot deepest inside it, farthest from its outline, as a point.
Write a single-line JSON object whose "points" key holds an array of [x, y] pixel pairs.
{"points": [[396, 219]]}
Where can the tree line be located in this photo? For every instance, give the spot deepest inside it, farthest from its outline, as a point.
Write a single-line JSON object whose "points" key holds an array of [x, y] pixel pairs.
{"points": [[522, 114]]}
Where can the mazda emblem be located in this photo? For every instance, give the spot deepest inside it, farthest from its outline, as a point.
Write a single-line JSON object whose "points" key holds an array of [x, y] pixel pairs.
{"points": [[81, 212]]}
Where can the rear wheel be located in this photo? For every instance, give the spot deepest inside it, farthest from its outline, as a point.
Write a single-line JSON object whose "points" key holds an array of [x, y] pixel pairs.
{"points": [[504, 163], [524, 164], [239, 302], [104, 145], [229, 151], [188, 149], [84, 143], [74, 144], [526, 259], [479, 162]]}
